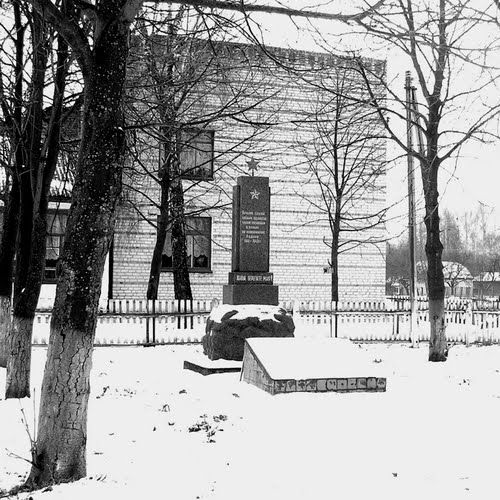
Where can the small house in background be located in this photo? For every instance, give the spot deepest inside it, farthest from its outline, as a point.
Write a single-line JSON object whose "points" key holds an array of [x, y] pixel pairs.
{"points": [[458, 280], [487, 285], [396, 286]]}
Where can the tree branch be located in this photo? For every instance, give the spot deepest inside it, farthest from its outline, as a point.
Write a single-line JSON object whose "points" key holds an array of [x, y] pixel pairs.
{"points": [[68, 29], [241, 6]]}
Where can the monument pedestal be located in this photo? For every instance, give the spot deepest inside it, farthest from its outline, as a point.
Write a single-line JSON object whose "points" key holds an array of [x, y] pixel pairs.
{"points": [[249, 300], [250, 294], [229, 325]]}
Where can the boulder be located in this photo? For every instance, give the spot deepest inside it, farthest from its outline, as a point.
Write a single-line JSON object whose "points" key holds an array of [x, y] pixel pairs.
{"points": [[229, 325]]}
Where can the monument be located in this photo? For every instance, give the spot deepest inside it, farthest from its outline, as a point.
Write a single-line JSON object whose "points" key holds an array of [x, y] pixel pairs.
{"points": [[250, 299], [251, 333], [250, 281]]}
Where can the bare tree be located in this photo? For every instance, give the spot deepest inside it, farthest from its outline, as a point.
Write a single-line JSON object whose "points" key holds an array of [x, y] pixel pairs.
{"points": [[33, 128], [438, 41], [196, 80], [60, 446], [11, 154], [345, 157]]}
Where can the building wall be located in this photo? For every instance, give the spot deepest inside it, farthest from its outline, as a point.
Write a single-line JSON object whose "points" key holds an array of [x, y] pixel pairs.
{"points": [[298, 254]]}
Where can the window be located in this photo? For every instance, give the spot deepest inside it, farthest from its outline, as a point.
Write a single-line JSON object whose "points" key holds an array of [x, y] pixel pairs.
{"points": [[196, 154], [198, 237], [56, 227]]}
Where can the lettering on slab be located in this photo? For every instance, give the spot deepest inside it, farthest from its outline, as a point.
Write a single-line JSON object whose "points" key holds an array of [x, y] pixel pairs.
{"points": [[253, 227]]}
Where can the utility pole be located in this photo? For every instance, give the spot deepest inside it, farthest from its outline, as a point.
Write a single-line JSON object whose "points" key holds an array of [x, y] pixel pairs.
{"points": [[410, 102]]}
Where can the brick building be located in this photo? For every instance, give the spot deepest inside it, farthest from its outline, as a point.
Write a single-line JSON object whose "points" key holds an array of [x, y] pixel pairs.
{"points": [[275, 133], [281, 103]]}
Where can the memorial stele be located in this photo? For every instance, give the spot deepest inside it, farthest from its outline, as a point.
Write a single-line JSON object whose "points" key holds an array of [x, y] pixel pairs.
{"points": [[250, 281]]}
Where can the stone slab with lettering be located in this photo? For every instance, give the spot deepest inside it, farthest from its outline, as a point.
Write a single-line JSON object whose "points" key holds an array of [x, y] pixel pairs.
{"points": [[250, 278], [310, 365], [250, 281], [251, 210]]}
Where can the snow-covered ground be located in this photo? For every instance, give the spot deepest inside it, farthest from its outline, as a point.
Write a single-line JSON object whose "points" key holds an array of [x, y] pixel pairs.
{"points": [[158, 431]]}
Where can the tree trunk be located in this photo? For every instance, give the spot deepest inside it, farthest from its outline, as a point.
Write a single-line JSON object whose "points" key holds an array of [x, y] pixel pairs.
{"points": [[19, 359], [438, 347], [33, 223], [12, 203], [155, 269], [20, 336], [335, 276], [7, 252], [334, 255], [5, 312], [62, 425], [161, 235], [182, 283]]}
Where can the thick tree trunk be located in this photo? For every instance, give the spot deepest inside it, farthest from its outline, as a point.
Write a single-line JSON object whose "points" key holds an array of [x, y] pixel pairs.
{"points": [[19, 359], [33, 224], [438, 347], [12, 205], [62, 425], [7, 252], [5, 312], [21, 333]]}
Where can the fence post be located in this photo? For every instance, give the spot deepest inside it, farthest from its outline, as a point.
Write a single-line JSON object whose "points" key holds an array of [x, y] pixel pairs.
{"points": [[147, 321], [154, 321], [468, 323]]}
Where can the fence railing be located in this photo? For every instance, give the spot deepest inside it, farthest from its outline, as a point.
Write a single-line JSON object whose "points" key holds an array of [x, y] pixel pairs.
{"points": [[132, 322], [452, 303]]}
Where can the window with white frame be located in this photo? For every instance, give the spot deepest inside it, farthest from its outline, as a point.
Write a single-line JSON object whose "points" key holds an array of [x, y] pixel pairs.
{"points": [[56, 228], [198, 238], [196, 153]]}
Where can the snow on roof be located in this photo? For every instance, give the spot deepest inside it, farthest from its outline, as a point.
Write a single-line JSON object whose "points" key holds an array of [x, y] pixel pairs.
{"points": [[490, 276], [450, 269]]}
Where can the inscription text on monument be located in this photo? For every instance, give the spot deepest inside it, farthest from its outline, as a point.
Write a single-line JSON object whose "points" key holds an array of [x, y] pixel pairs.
{"points": [[251, 224]]}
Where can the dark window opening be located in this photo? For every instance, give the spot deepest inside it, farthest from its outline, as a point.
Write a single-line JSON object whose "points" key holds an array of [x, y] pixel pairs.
{"points": [[198, 243]]}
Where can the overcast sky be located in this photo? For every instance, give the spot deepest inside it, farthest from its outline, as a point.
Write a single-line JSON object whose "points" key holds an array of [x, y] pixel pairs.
{"points": [[473, 178]]}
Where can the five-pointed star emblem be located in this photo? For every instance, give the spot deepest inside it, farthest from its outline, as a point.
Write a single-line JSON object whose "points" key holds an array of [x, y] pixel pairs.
{"points": [[252, 166], [254, 194]]}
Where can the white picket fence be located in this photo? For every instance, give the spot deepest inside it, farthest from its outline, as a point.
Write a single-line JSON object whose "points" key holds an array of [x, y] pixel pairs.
{"points": [[132, 322]]}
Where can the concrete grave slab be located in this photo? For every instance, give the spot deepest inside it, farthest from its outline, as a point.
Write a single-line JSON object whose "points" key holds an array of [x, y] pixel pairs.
{"points": [[202, 364], [280, 365]]}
